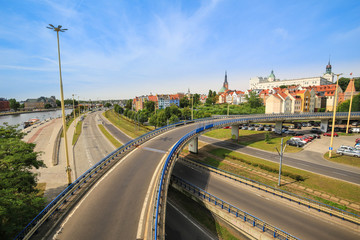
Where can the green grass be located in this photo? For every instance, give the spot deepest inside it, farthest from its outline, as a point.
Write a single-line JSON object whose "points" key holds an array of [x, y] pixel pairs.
{"points": [[125, 125], [77, 132], [199, 212], [41, 187], [255, 139], [115, 142], [311, 180], [348, 160]]}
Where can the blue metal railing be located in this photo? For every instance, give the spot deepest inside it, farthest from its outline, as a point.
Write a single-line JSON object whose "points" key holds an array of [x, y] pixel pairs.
{"points": [[310, 203], [236, 212], [72, 188]]}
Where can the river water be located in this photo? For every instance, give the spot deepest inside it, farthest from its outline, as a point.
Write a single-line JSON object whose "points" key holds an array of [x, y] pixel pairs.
{"points": [[23, 117]]}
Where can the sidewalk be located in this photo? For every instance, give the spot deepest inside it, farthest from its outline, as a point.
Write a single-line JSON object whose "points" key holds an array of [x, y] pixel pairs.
{"points": [[44, 137]]}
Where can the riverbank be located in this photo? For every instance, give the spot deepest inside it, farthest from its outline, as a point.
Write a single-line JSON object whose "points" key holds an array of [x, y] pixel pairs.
{"points": [[35, 111]]}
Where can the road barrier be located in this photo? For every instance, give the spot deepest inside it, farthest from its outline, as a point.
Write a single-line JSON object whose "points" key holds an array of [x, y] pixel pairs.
{"points": [[205, 125], [332, 211], [234, 211]]}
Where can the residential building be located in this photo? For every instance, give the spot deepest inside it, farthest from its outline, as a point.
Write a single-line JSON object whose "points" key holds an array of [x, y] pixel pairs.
{"points": [[163, 101], [39, 103], [174, 99], [4, 105]]}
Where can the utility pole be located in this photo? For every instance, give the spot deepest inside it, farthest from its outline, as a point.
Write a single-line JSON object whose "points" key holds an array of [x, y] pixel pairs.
{"points": [[192, 107], [74, 107], [282, 149], [334, 114]]}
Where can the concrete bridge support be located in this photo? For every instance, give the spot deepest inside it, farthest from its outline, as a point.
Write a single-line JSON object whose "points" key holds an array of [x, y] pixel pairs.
{"points": [[235, 132], [193, 145], [324, 125], [278, 126]]}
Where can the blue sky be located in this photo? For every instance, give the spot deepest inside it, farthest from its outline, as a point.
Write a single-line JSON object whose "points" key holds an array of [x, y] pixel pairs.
{"points": [[120, 49]]}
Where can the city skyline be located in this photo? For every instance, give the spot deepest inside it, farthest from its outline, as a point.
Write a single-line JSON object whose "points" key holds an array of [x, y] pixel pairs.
{"points": [[119, 50]]}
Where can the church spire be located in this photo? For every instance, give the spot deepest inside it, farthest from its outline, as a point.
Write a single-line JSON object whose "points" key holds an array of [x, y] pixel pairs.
{"points": [[226, 84], [328, 67]]}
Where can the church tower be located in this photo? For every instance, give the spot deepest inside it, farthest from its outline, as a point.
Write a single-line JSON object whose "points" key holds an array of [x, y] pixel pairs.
{"points": [[226, 85], [328, 68]]}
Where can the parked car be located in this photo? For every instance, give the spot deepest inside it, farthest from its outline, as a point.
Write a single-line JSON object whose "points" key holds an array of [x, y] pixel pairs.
{"points": [[315, 130], [267, 128], [355, 130], [244, 128], [329, 134], [344, 147], [316, 124], [251, 128], [309, 137], [294, 143], [290, 132], [314, 135], [304, 124], [355, 123], [357, 140], [260, 128], [227, 127], [350, 153], [298, 140]]}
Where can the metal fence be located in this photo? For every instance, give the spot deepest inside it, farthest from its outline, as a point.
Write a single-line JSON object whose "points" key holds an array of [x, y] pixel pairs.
{"points": [[321, 207], [234, 211]]}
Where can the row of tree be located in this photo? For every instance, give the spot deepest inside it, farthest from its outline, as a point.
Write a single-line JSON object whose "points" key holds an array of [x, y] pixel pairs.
{"points": [[20, 201]]}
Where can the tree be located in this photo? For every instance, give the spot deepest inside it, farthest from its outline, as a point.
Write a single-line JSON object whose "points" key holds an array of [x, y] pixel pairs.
{"points": [[344, 82], [47, 106], [118, 109], [211, 99], [14, 104], [107, 105], [186, 113], [173, 119], [253, 100], [184, 102], [149, 106], [19, 200], [196, 99], [129, 104], [267, 137], [58, 103], [355, 107], [161, 119]]}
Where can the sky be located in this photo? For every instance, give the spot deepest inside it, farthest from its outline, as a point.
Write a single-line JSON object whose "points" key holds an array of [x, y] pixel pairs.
{"points": [[119, 49]]}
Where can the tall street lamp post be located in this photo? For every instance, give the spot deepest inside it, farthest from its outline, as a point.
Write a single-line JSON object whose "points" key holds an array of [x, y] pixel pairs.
{"points": [[68, 169], [74, 107], [334, 114]]}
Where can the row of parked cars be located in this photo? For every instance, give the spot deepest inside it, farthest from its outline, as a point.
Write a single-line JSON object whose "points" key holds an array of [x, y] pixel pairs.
{"points": [[350, 151], [300, 141]]}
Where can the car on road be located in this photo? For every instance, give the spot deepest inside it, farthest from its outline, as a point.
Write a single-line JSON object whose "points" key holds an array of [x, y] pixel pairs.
{"points": [[295, 143], [329, 134]]}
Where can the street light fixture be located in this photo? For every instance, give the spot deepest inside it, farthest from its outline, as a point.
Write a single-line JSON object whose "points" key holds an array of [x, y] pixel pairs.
{"points": [[68, 169]]}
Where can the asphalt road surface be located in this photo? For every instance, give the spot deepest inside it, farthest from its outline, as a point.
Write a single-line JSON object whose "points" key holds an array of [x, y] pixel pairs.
{"points": [[350, 175], [292, 220], [111, 209], [92, 146]]}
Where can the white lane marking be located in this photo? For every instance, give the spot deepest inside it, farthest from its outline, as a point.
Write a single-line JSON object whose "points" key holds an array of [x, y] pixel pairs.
{"points": [[340, 174], [207, 234], [139, 234], [154, 150], [84, 198]]}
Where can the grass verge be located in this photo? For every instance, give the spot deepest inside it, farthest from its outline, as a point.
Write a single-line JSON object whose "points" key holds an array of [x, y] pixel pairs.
{"points": [[313, 186], [77, 132], [115, 142], [41, 187], [199, 212], [255, 139], [348, 160], [125, 125]]}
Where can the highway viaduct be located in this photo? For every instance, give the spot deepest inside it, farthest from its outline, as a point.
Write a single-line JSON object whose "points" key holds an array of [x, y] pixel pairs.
{"points": [[122, 203]]}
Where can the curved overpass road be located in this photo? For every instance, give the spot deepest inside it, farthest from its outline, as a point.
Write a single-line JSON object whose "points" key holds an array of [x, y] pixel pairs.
{"points": [[121, 192], [295, 221], [331, 170]]}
